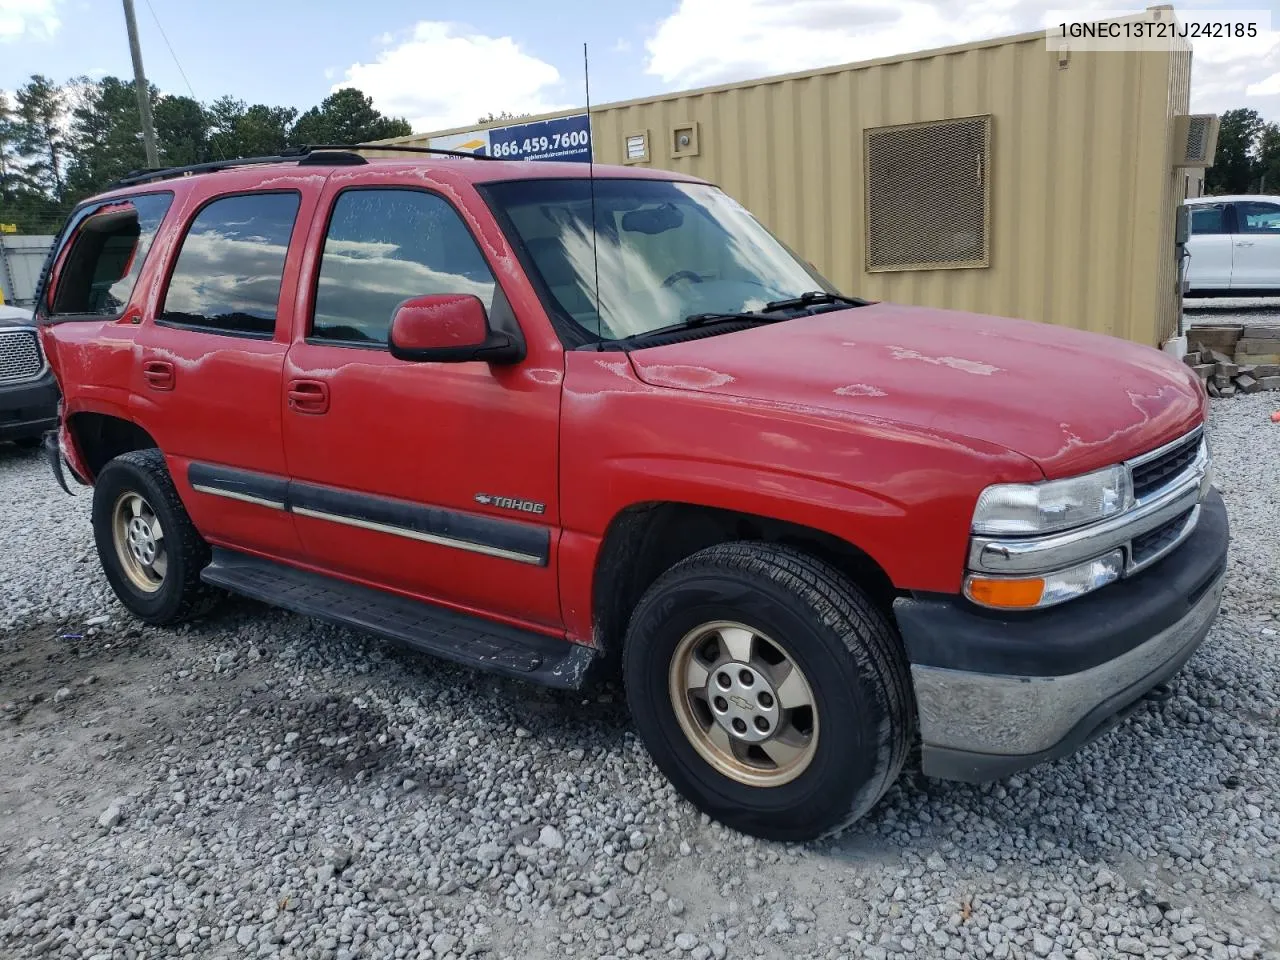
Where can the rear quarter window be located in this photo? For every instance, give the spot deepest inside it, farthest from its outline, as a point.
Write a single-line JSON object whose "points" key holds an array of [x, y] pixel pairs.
{"points": [[108, 245]]}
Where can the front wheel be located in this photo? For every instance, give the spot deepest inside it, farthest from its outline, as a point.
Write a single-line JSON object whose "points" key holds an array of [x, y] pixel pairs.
{"points": [[769, 689], [150, 551]]}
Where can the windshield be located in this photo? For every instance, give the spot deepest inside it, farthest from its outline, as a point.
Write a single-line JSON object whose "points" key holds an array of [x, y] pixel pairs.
{"points": [[666, 251]]}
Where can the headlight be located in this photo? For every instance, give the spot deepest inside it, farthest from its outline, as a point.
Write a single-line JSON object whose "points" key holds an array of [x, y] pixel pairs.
{"points": [[1027, 593], [1029, 508]]}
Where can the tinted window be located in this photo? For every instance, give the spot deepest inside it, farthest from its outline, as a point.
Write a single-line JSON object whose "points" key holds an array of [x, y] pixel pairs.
{"points": [[1258, 217], [227, 277], [1208, 220], [110, 244], [385, 246]]}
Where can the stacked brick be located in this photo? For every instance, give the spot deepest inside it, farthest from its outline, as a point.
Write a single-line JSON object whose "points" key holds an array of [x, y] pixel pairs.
{"points": [[1235, 359]]}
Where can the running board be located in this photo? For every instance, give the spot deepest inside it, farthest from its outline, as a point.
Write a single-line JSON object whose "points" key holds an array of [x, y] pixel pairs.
{"points": [[466, 639]]}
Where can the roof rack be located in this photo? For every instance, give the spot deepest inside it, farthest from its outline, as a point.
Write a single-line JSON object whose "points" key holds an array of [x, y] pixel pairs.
{"points": [[338, 154]]}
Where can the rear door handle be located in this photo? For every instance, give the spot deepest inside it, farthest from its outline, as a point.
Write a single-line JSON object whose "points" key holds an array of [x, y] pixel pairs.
{"points": [[309, 396], [159, 374]]}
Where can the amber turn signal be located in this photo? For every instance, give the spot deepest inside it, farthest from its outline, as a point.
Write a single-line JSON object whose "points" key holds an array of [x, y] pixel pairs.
{"points": [[1010, 594]]}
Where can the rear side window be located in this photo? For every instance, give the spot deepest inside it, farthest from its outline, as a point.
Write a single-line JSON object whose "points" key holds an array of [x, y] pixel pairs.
{"points": [[384, 246], [108, 247], [1208, 220], [227, 276]]}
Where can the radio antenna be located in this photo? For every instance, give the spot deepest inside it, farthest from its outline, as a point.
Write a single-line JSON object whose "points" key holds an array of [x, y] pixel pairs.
{"points": [[591, 181]]}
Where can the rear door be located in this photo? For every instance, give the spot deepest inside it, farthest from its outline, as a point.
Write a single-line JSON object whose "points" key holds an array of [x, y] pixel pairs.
{"points": [[437, 480], [208, 375], [1210, 246], [1256, 248]]}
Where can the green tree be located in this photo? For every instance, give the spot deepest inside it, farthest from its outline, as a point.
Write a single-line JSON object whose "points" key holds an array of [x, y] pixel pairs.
{"points": [[1234, 167], [1269, 159], [40, 135], [346, 116], [500, 116], [106, 134], [240, 131], [10, 166], [182, 131]]}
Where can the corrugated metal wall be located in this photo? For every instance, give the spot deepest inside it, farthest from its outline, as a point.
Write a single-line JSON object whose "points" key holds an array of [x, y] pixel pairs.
{"points": [[1081, 176]]}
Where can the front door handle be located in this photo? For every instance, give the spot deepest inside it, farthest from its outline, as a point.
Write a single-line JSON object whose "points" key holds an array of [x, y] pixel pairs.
{"points": [[1244, 243], [309, 396], [159, 374]]}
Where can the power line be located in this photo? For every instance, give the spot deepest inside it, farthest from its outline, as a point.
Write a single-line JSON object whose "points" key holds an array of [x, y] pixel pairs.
{"points": [[176, 62]]}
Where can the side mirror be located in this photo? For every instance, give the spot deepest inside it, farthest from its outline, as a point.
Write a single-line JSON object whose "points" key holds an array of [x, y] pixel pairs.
{"points": [[448, 328]]}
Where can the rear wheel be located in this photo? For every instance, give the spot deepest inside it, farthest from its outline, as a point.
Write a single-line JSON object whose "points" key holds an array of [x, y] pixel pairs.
{"points": [[769, 689], [151, 553]]}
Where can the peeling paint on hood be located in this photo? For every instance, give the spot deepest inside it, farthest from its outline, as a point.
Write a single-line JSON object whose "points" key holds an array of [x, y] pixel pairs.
{"points": [[1070, 400]]}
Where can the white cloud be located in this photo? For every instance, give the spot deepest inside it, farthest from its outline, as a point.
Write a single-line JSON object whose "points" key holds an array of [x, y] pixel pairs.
{"points": [[36, 19], [1267, 87], [622, 45], [755, 38], [440, 75]]}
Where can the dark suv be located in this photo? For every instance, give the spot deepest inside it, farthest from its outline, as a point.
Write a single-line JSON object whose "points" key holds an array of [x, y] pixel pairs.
{"points": [[28, 393]]}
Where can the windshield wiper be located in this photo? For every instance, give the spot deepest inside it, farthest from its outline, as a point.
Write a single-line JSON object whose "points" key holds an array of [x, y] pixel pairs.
{"points": [[813, 298], [700, 320]]}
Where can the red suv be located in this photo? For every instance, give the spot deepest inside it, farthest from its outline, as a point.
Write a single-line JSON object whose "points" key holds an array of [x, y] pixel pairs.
{"points": [[548, 424]]}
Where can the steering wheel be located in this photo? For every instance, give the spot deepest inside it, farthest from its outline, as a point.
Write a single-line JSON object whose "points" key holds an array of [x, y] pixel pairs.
{"points": [[681, 275]]}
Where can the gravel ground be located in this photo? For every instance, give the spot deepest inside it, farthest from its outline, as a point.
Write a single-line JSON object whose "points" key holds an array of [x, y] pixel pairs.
{"points": [[1230, 310], [262, 785]]}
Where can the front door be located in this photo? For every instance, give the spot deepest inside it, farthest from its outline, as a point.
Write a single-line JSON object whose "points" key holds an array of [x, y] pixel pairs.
{"points": [[1256, 254], [437, 480], [207, 377], [1210, 247]]}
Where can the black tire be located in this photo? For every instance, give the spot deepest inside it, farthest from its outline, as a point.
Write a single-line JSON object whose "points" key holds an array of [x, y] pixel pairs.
{"points": [[847, 648], [182, 595]]}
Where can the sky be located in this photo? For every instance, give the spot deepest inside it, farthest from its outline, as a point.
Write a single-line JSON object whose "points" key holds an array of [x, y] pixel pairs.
{"points": [[445, 63]]}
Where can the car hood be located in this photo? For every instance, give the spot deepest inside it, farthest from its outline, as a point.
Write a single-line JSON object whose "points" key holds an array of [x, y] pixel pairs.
{"points": [[1069, 400], [14, 317]]}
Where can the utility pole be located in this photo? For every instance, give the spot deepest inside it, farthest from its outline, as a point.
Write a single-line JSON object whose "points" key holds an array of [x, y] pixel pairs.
{"points": [[144, 92]]}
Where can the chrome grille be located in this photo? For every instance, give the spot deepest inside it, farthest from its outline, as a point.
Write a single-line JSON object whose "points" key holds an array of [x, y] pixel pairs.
{"points": [[1149, 475], [1153, 543], [20, 357]]}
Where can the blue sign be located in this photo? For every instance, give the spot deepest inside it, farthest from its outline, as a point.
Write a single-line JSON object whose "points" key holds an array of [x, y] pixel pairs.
{"points": [[565, 138]]}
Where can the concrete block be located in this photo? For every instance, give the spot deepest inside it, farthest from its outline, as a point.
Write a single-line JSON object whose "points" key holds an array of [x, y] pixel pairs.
{"points": [[1212, 390], [1262, 331], [1203, 370], [1265, 370], [1226, 369], [1246, 384], [1269, 383], [1215, 337], [1227, 392], [1253, 346]]}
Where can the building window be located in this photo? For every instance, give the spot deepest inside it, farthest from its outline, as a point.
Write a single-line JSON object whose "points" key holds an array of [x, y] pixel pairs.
{"points": [[928, 195], [227, 278], [383, 247]]}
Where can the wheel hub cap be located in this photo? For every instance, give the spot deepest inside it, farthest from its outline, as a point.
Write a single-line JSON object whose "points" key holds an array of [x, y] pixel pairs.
{"points": [[743, 703], [139, 542]]}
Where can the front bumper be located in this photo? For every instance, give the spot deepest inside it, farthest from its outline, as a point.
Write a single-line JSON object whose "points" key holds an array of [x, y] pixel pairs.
{"points": [[28, 409], [998, 692]]}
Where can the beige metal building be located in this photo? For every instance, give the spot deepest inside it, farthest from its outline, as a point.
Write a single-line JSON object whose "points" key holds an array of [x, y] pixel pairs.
{"points": [[999, 177]]}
